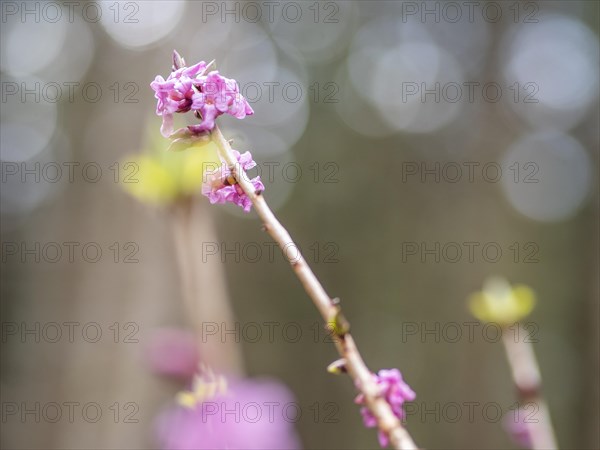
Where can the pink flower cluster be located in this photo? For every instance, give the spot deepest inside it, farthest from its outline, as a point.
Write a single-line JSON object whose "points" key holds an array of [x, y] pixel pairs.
{"points": [[189, 89], [220, 186], [395, 391]]}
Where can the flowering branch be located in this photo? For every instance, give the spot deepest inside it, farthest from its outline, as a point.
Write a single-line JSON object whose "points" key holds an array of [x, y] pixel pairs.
{"points": [[210, 95], [330, 310], [527, 379]]}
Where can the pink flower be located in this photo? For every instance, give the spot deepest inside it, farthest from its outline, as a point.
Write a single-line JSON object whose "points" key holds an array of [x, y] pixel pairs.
{"points": [[176, 94], [188, 89], [252, 414], [395, 391], [221, 187], [219, 95]]}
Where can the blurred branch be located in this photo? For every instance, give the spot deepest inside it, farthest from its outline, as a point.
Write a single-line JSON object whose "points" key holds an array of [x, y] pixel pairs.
{"points": [[203, 290], [363, 378], [527, 379]]}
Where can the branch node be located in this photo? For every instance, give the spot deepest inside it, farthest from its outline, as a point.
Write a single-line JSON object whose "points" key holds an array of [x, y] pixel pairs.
{"points": [[340, 324], [528, 392]]}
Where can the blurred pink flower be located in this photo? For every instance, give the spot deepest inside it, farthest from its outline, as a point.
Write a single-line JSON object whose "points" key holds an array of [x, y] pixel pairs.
{"points": [[172, 352], [221, 187], [516, 426], [395, 391], [250, 415]]}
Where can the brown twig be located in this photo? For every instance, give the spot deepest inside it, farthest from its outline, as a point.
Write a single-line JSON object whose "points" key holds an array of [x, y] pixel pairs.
{"points": [[387, 422]]}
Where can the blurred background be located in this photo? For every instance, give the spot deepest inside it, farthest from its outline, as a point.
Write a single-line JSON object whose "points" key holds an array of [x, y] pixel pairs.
{"points": [[411, 148]]}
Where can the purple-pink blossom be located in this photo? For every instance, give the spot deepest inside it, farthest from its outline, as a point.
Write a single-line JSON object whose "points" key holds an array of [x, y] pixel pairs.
{"points": [[252, 414], [208, 96], [395, 391], [219, 95], [176, 94], [221, 187]]}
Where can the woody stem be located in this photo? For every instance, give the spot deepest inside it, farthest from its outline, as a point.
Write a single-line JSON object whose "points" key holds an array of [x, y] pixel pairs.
{"points": [[387, 422]]}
